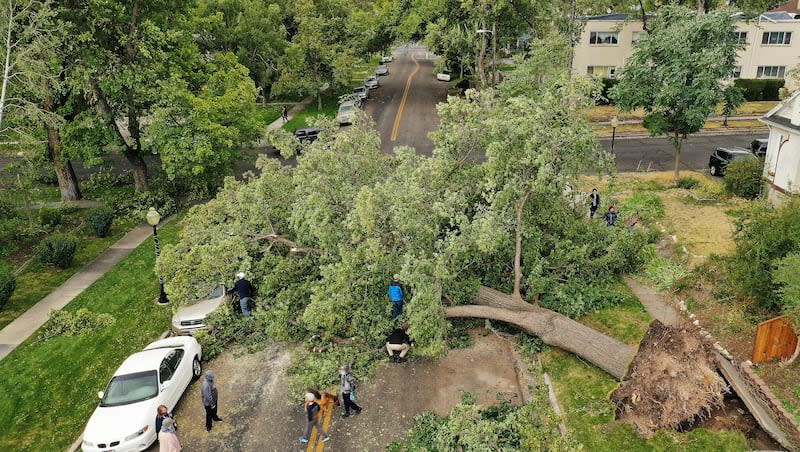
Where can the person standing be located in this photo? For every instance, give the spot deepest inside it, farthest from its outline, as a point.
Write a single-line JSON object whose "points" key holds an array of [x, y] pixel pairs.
{"points": [[611, 215], [162, 412], [312, 416], [210, 399], [285, 114], [245, 290], [347, 387], [397, 295], [398, 341], [168, 436], [594, 202]]}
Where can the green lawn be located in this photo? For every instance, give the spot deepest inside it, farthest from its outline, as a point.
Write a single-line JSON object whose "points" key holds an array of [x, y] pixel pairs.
{"points": [[583, 391], [330, 105], [50, 388], [38, 280]]}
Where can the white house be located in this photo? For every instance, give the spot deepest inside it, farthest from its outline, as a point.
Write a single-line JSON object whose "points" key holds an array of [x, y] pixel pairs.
{"points": [[782, 162]]}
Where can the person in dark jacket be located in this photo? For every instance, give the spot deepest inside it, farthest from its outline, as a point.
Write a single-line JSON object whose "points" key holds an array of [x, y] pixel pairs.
{"points": [[162, 412], [312, 412], [594, 202], [210, 399], [397, 295], [611, 216], [245, 290], [347, 388], [398, 341]]}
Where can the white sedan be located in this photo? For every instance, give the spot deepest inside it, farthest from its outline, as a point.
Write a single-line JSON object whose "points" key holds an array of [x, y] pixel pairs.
{"points": [[443, 76], [125, 419]]}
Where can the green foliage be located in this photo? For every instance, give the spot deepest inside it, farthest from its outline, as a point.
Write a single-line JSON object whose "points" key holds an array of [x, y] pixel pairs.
{"points": [[7, 210], [687, 183], [226, 325], [664, 273], [73, 323], [743, 178], [9, 233], [50, 218], [763, 237], [504, 427], [321, 370], [605, 95], [100, 219], [7, 285], [57, 250], [785, 274], [648, 206], [759, 89]]}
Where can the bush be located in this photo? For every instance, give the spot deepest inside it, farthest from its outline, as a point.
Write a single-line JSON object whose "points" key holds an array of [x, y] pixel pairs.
{"points": [[648, 206], [68, 323], [743, 178], [7, 210], [50, 218], [687, 183], [760, 89], [9, 234], [604, 98], [57, 250], [7, 285], [100, 220]]}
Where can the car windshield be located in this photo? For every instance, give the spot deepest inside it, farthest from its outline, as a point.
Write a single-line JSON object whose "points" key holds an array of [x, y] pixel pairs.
{"points": [[742, 156], [130, 388], [345, 108]]}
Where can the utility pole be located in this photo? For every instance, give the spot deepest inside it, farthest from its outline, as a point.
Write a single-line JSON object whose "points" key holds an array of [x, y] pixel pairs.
{"points": [[494, 53]]}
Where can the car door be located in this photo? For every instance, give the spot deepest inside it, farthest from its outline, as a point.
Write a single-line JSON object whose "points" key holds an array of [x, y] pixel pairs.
{"points": [[169, 378]]}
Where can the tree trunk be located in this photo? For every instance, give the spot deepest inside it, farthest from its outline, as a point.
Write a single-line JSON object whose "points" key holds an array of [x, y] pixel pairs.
{"points": [[139, 168], [677, 144], [7, 63], [518, 247], [67, 181], [319, 100], [264, 92], [481, 57], [553, 328]]}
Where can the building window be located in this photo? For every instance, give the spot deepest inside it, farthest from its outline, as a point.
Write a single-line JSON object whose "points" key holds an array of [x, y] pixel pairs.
{"points": [[737, 72], [770, 71], [604, 38], [740, 37], [776, 38], [602, 71]]}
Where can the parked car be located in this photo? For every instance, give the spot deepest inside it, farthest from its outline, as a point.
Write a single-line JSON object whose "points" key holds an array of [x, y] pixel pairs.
{"points": [[351, 97], [190, 318], [387, 59], [759, 147], [346, 112], [443, 75], [371, 82], [361, 92], [721, 157], [125, 418], [382, 70], [307, 134]]}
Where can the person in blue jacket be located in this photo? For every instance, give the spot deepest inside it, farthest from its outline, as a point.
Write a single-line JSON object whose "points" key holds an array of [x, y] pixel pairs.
{"points": [[397, 295]]}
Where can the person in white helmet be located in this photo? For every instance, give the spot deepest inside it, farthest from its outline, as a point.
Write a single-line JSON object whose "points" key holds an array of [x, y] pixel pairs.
{"points": [[245, 291]]}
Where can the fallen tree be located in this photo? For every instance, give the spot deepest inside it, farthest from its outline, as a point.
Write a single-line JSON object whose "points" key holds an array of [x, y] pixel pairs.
{"points": [[553, 328]]}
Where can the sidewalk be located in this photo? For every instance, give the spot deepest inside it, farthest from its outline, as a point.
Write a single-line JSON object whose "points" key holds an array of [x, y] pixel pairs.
{"points": [[25, 325]]}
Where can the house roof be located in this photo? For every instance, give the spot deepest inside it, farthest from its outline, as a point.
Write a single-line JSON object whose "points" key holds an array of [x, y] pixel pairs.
{"points": [[778, 16], [792, 7], [608, 17], [781, 115]]}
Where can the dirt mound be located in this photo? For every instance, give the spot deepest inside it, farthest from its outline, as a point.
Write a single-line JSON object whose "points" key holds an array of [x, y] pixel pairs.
{"points": [[672, 381]]}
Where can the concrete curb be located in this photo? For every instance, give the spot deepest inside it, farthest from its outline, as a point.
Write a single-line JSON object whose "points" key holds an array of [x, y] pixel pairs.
{"points": [[705, 132]]}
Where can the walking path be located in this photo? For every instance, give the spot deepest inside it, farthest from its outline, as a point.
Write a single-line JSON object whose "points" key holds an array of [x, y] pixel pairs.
{"points": [[25, 325]]}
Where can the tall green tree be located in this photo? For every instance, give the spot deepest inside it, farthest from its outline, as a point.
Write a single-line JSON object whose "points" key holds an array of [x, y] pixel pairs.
{"points": [[676, 72]]}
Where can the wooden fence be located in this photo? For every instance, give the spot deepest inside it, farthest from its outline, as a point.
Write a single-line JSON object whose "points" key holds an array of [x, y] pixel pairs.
{"points": [[775, 339]]}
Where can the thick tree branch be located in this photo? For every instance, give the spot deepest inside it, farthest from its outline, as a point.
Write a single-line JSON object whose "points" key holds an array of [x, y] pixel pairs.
{"points": [[276, 238]]}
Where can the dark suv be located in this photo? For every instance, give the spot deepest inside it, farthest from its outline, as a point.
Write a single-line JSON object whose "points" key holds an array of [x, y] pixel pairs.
{"points": [[759, 147], [723, 156], [307, 134]]}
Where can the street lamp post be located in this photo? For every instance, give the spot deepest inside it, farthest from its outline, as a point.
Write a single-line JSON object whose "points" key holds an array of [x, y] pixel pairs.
{"points": [[153, 218], [614, 124]]}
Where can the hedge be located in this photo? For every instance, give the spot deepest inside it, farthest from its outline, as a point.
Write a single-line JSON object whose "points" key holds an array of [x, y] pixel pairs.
{"points": [[760, 89]]}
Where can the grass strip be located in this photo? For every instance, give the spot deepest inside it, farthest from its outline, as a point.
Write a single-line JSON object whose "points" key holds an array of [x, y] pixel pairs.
{"points": [[50, 388]]}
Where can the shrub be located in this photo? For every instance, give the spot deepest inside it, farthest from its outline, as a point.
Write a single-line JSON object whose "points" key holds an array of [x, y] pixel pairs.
{"points": [[50, 218], [743, 178], [69, 323], [7, 285], [604, 98], [100, 220], [665, 274], [9, 233], [687, 183], [760, 89], [648, 206], [57, 250], [7, 210]]}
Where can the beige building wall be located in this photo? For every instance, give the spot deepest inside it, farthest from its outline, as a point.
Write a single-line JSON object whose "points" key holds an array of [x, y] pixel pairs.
{"points": [[589, 57]]}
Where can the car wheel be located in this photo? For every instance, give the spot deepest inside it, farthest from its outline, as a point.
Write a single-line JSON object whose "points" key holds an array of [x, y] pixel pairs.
{"points": [[713, 170], [196, 369]]}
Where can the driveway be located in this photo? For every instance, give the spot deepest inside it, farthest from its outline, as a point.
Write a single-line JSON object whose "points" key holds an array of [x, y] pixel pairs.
{"points": [[260, 415]]}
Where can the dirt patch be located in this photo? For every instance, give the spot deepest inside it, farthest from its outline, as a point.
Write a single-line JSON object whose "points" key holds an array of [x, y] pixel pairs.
{"points": [[671, 381], [259, 413]]}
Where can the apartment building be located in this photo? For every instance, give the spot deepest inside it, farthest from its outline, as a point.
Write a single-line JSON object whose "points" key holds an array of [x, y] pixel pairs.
{"points": [[772, 43]]}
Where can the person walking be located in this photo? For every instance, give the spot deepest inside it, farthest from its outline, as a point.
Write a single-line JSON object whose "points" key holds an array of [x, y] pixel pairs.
{"points": [[347, 387], [611, 215], [245, 290], [398, 341], [168, 436], [312, 416], [285, 114], [397, 295], [594, 202], [210, 399]]}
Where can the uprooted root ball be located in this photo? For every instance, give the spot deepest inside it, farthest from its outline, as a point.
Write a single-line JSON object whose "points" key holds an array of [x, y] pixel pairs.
{"points": [[671, 381]]}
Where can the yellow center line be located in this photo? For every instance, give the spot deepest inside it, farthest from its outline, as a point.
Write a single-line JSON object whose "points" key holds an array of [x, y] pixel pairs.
{"points": [[402, 106], [326, 414]]}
